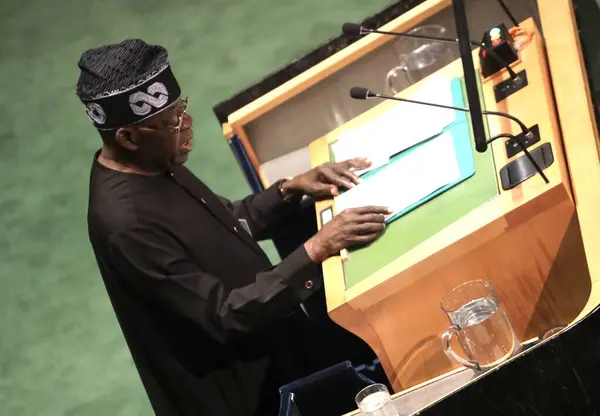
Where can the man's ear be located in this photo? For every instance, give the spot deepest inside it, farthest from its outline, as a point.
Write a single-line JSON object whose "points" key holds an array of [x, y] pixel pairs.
{"points": [[127, 138]]}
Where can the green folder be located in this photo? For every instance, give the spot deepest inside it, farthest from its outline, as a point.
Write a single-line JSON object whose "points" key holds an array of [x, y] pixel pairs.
{"points": [[461, 136], [430, 215]]}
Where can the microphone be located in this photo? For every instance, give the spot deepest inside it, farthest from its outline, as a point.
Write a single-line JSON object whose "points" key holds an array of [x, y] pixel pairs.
{"points": [[362, 93], [353, 29]]}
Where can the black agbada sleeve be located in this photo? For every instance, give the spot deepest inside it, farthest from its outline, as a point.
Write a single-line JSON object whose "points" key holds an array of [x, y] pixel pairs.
{"points": [[263, 211], [157, 266]]}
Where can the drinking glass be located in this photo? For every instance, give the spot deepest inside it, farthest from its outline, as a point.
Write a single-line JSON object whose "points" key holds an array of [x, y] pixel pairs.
{"points": [[419, 58], [480, 324], [375, 400]]}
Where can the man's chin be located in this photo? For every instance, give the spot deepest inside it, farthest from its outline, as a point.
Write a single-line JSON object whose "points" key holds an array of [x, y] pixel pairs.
{"points": [[181, 159]]}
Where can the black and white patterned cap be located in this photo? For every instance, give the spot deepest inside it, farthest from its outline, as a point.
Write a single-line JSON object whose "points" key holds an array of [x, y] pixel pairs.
{"points": [[124, 83]]}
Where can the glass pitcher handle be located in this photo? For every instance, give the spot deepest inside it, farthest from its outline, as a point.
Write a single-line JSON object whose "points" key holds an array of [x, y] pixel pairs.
{"points": [[446, 341], [391, 76]]}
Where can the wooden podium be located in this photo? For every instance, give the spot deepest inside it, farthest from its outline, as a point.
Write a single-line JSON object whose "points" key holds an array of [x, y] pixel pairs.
{"points": [[537, 242], [525, 240]]}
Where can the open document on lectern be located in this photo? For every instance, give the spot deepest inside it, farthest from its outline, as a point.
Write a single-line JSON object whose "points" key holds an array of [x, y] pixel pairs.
{"points": [[405, 182], [399, 128]]}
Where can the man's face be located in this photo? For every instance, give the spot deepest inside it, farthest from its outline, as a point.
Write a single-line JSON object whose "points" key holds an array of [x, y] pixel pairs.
{"points": [[165, 139]]}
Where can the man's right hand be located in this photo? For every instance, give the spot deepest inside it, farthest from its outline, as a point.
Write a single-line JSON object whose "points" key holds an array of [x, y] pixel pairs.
{"points": [[356, 226]]}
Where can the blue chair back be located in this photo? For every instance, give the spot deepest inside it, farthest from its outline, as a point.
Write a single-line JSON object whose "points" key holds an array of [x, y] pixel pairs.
{"points": [[329, 392]]}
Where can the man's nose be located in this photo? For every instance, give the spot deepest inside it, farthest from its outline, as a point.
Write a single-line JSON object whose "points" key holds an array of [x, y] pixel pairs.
{"points": [[188, 121]]}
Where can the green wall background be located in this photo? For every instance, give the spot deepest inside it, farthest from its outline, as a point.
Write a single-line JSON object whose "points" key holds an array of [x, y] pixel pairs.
{"points": [[61, 350]]}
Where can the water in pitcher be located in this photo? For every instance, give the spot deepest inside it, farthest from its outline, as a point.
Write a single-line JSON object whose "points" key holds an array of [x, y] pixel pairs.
{"points": [[486, 335], [378, 404]]}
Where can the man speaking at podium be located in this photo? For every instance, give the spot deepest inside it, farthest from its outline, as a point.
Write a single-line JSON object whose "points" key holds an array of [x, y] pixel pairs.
{"points": [[197, 299]]}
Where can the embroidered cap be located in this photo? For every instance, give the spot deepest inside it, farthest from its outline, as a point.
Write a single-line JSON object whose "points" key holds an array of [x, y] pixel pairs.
{"points": [[124, 83]]}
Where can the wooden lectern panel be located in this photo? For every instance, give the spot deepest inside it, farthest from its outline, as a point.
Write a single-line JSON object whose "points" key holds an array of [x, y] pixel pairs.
{"points": [[578, 126], [526, 241], [581, 145]]}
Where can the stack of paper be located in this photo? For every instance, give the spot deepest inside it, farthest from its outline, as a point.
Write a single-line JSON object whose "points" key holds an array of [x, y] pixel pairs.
{"points": [[353, 143], [401, 127], [408, 180]]}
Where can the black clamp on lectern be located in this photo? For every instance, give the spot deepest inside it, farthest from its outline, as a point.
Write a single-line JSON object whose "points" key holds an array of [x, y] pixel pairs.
{"points": [[498, 51], [499, 40]]}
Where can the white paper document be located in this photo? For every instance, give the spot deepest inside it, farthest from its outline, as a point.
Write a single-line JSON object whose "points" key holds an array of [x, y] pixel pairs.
{"points": [[401, 127], [351, 144], [415, 122], [407, 181]]}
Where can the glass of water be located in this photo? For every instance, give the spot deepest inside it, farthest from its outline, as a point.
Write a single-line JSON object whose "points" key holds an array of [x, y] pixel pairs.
{"points": [[480, 324], [375, 400]]}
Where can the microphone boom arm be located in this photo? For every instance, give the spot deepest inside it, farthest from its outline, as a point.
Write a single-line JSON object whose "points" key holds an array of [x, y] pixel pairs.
{"points": [[493, 54], [522, 125], [369, 94], [508, 13]]}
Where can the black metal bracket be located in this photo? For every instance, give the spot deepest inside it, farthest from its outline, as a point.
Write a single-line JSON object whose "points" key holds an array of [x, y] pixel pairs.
{"points": [[521, 169], [510, 86], [472, 90], [512, 146]]}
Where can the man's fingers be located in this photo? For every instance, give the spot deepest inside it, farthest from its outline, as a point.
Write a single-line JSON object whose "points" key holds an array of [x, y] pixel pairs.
{"points": [[356, 163], [321, 189], [366, 238], [334, 178], [348, 174], [367, 228], [370, 218], [373, 210]]}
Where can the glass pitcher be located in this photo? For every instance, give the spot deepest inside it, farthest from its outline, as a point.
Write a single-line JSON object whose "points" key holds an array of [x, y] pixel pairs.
{"points": [[419, 58], [480, 324]]}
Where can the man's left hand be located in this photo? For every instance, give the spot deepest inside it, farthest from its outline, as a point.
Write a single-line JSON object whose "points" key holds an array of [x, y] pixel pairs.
{"points": [[325, 180]]}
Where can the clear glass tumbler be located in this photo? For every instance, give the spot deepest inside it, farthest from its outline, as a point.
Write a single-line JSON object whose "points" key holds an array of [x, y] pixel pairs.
{"points": [[375, 400]]}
